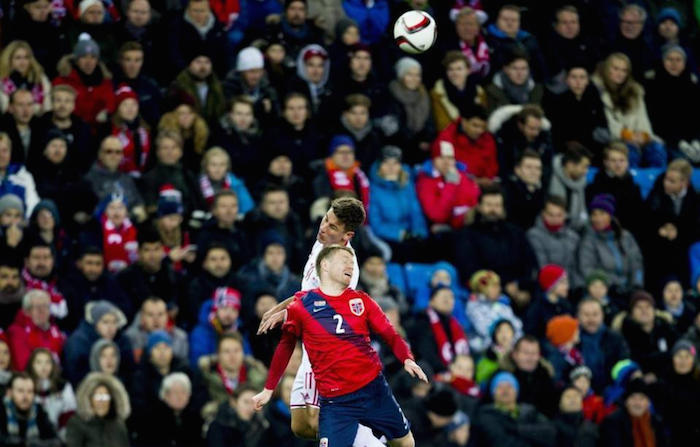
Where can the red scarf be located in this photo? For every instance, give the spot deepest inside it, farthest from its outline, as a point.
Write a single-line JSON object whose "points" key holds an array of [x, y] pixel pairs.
{"points": [[177, 266], [447, 350], [129, 163], [59, 308], [226, 11], [229, 383], [354, 179], [642, 431], [479, 60], [119, 244], [552, 228], [464, 386], [208, 190]]}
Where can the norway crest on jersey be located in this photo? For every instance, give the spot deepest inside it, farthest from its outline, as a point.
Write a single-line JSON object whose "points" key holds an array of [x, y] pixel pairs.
{"points": [[357, 306]]}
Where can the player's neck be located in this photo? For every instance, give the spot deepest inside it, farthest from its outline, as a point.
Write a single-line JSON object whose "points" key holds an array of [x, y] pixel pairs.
{"points": [[332, 288]]}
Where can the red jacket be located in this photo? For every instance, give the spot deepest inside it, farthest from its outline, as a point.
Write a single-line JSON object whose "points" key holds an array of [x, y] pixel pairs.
{"points": [[25, 337], [446, 203], [479, 156], [91, 100]]}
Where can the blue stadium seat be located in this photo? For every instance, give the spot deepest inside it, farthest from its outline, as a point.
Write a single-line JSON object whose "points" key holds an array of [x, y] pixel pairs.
{"points": [[592, 172], [694, 263], [645, 178], [397, 277], [418, 281], [695, 179]]}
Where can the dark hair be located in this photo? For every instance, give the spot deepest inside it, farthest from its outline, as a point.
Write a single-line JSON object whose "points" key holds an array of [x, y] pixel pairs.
{"points": [[589, 300], [223, 193], [454, 56], [90, 250], [510, 7], [147, 235], [575, 152], [525, 339], [350, 212], [243, 388], [566, 8], [530, 110], [215, 246], [294, 95], [40, 243], [271, 188], [556, 201], [229, 336], [516, 55], [474, 111], [527, 153], [130, 46], [22, 375], [357, 99], [55, 379], [491, 190]]}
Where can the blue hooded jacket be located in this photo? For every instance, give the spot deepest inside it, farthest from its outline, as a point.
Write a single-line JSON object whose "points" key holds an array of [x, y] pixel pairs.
{"points": [[394, 207]]}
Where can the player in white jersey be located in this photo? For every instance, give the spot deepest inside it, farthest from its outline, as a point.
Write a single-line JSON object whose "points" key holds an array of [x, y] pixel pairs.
{"points": [[338, 227]]}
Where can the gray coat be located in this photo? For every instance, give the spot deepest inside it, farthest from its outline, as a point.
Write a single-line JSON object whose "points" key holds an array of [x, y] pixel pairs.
{"points": [[622, 262], [556, 248], [104, 183], [574, 191]]}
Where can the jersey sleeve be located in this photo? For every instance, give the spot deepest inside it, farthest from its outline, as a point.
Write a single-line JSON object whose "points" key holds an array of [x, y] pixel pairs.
{"points": [[280, 359], [293, 322], [379, 324]]}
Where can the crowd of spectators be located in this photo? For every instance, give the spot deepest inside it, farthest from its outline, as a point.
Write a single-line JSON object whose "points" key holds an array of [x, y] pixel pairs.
{"points": [[164, 166]]}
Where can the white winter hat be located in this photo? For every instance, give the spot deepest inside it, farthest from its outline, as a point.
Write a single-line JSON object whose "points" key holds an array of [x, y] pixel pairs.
{"points": [[404, 64], [249, 59], [85, 4]]}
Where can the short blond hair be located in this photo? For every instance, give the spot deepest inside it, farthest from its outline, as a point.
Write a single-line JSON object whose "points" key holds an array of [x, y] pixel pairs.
{"points": [[682, 167], [213, 152], [327, 252]]}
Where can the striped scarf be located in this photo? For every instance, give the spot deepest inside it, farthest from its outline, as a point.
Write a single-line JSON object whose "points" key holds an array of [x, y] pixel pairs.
{"points": [[208, 189], [13, 424]]}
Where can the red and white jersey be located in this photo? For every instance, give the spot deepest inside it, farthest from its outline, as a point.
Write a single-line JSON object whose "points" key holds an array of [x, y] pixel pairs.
{"points": [[310, 279]]}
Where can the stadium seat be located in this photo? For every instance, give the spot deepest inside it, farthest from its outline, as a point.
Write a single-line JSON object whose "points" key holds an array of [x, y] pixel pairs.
{"points": [[397, 277], [695, 263], [645, 178], [592, 172], [695, 179]]}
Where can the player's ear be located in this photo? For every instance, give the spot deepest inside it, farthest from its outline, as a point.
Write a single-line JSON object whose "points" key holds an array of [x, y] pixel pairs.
{"points": [[347, 236]]}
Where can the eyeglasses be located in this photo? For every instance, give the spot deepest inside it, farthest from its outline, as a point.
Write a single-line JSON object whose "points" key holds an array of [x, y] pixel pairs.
{"points": [[102, 397]]}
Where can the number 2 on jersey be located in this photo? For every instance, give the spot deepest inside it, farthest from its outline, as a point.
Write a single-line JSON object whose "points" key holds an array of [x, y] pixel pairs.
{"points": [[338, 328]]}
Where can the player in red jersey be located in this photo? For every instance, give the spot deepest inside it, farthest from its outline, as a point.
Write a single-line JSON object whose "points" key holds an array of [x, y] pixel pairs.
{"points": [[334, 323]]}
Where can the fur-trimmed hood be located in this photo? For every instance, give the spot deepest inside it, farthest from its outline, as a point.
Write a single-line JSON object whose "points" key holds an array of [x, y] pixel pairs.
{"points": [[65, 67], [120, 398], [503, 114]]}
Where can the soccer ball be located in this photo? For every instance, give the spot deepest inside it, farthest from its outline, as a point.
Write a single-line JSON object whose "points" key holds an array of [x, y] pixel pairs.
{"points": [[415, 32]]}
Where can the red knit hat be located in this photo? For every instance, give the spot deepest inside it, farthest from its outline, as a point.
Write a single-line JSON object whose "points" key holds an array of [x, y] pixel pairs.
{"points": [[550, 275], [561, 330], [124, 92]]}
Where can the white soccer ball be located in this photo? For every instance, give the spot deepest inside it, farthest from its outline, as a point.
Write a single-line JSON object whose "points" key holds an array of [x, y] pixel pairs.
{"points": [[415, 32]]}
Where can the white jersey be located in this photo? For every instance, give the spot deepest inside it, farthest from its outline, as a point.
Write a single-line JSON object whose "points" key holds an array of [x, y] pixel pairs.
{"points": [[311, 281]]}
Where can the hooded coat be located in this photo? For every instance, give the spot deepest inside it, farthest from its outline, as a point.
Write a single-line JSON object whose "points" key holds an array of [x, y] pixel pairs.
{"points": [[87, 429], [76, 356], [394, 206], [319, 95]]}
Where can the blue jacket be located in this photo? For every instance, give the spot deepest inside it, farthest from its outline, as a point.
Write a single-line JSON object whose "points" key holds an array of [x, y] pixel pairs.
{"points": [[19, 181], [372, 21], [76, 353], [245, 201], [394, 207], [204, 339]]}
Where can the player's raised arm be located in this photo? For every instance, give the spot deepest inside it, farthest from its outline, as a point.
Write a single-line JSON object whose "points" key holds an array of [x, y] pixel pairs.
{"points": [[283, 353], [379, 324]]}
